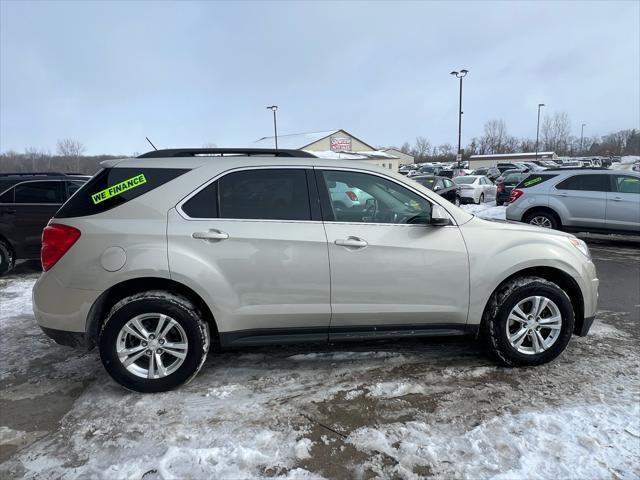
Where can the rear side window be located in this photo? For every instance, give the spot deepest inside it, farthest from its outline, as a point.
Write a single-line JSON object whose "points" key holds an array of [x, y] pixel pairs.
{"points": [[39, 192], [112, 187], [589, 183], [535, 179], [7, 197], [203, 204], [264, 194]]}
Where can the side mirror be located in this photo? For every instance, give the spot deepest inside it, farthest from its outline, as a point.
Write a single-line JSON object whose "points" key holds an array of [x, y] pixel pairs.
{"points": [[438, 187], [439, 217]]}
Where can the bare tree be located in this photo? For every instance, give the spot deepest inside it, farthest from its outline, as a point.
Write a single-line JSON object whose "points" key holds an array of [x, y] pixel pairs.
{"points": [[405, 148], [70, 150], [556, 132], [209, 145], [421, 149], [495, 136]]}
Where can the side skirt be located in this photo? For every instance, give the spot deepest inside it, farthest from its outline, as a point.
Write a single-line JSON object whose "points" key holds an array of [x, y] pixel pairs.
{"points": [[281, 336]]}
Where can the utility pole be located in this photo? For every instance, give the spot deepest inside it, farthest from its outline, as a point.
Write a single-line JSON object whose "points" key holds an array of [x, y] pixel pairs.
{"points": [[274, 109], [538, 128], [461, 74], [581, 137]]}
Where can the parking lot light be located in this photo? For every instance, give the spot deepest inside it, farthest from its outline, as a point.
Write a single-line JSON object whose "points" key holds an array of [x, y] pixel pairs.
{"points": [[274, 109], [538, 128], [461, 74]]}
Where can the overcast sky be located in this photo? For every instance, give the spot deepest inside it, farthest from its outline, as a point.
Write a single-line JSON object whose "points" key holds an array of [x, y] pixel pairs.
{"points": [[186, 74]]}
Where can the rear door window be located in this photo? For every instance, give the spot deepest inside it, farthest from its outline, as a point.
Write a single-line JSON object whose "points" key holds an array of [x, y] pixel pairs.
{"points": [[264, 194], [589, 183], [45, 192]]}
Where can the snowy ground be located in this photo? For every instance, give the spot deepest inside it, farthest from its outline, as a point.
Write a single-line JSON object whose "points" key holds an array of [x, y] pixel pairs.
{"points": [[487, 210], [409, 409]]}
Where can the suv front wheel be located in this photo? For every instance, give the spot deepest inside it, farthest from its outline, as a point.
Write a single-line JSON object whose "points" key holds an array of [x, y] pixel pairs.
{"points": [[153, 341], [529, 322], [542, 219]]}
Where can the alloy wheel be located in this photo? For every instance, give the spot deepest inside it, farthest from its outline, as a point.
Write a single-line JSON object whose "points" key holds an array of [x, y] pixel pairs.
{"points": [[152, 345], [534, 325], [541, 221]]}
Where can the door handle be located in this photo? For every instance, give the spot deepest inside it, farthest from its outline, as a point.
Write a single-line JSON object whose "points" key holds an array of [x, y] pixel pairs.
{"points": [[353, 242], [8, 212], [617, 199], [210, 235], [563, 194]]}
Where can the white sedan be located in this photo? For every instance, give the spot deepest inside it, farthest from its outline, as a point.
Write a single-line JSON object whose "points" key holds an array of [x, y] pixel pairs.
{"points": [[476, 188]]}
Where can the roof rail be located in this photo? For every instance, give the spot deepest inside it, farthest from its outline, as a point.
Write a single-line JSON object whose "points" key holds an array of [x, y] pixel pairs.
{"points": [[24, 174], [193, 152], [555, 169]]}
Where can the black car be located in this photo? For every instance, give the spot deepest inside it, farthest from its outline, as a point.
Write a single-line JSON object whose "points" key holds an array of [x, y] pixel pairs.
{"points": [[27, 202], [442, 186], [505, 184]]}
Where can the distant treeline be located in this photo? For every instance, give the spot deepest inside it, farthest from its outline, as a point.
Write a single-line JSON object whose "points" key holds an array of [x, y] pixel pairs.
{"points": [[14, 162]]}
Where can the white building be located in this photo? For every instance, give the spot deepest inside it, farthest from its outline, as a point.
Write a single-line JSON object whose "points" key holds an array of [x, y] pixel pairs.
{"points": [[332, 144], [480, 161]]}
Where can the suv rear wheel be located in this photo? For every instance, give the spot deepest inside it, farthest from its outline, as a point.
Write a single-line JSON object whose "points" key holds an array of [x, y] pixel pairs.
{"points": [[542, 219], [7, 260], [153, 341], [530, 322]]}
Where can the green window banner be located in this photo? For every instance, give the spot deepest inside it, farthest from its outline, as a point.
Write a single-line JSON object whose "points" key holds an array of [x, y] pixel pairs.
{"points": [[118, 188], [533, 181]]}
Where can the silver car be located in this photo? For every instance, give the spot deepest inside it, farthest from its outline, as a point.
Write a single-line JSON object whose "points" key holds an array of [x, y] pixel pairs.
{"points": [[159, 257], [594, 200]]}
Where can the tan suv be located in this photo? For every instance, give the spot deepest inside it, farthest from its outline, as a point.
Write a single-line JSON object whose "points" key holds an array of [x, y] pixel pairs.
{"points": [[160, 256]]}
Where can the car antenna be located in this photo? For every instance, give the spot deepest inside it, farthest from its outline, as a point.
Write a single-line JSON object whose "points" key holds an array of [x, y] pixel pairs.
{"points": [[154, 147]]}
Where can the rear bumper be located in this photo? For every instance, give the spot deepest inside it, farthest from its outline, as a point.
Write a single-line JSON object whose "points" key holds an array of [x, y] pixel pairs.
{"points": [[60, 308]]}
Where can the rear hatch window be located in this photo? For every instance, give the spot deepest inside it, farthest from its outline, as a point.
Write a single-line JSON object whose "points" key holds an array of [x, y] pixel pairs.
{"points": [[535, 179], [113, 187]]}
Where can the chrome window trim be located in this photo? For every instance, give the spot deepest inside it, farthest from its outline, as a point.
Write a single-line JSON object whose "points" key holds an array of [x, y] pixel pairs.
{"points": [[184, 215], [224, 173], [33, 181], [408, 187]]}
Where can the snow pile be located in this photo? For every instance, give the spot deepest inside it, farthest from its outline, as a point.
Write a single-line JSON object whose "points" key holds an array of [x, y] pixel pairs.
{"points": [[578, 442], [487, 210]]}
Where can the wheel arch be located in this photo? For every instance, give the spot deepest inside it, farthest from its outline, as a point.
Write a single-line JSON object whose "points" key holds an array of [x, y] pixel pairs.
{"points": [[117, 292], [542, 209], [555, 275]]}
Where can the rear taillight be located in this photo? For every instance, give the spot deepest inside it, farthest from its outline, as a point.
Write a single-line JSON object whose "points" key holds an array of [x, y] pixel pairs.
{"points": [[352, 196], [515, 195], [57, 239]]}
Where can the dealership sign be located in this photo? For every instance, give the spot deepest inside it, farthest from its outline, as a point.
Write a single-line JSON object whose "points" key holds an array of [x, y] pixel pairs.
{"points": [[340, 144]]}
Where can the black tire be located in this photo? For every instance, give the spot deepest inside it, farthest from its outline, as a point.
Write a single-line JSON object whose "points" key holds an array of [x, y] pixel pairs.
{"points": [[7, 258], [501, 305], [535, 217], [176, 307], [481, 199], [499, 203]]}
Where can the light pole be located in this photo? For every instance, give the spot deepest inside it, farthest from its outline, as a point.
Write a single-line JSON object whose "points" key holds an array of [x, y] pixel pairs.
{"points": [[581, 136], [540, 105], [461, 74], [274, 108]]}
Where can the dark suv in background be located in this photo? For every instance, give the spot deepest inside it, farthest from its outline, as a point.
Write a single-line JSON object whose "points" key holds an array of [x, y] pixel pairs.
{"points": [[27, 202]]}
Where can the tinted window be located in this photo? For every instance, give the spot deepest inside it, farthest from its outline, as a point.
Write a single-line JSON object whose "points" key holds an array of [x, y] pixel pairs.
{"points": [[533, 180], [264, 194], [112, 187], [426, 182], [627, 184], [439, 184], [448, 183], [39, 192], [513, 177], [72, 187], [380, 200], [7, 197], [203, 204], [591, 183]]}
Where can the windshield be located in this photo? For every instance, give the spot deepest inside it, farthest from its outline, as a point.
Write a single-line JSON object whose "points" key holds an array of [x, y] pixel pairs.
{"points": [[464, 180], [514, 177]]}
